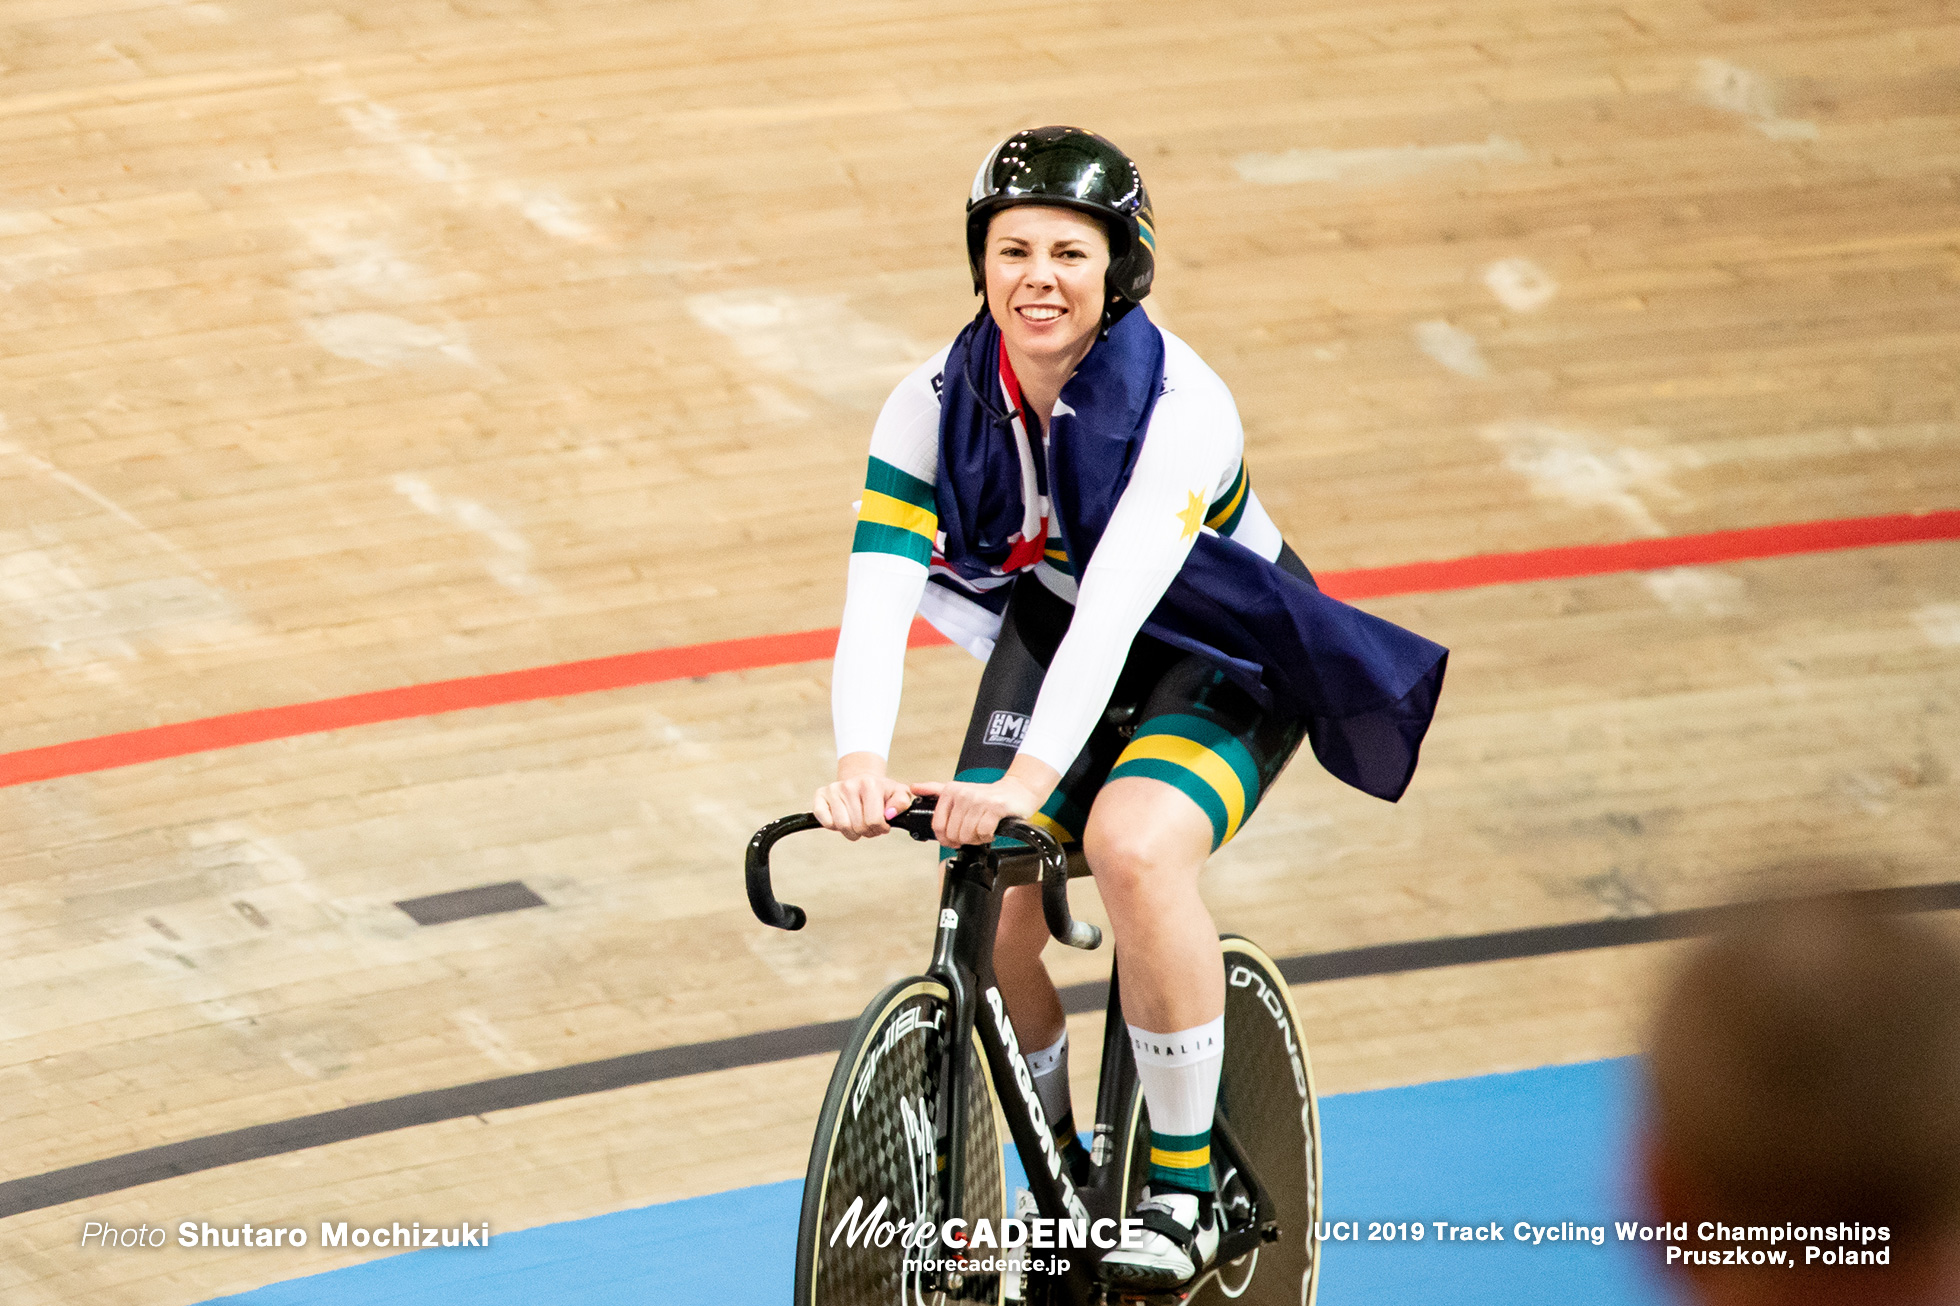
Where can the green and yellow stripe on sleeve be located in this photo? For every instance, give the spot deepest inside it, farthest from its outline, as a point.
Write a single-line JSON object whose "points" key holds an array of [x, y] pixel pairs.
{"points": [[899, 514], [1225, 511]]}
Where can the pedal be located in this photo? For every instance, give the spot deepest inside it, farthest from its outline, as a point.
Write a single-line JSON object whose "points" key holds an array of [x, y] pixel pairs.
{"points": [[1237, 1244]]}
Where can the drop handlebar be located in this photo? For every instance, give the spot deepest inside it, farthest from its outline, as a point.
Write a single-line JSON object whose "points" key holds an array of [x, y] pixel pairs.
{"points": [[916, 821]]}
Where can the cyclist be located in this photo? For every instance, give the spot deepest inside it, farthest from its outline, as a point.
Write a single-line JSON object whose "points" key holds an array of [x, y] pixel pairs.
{"points": [[1062, 491]]}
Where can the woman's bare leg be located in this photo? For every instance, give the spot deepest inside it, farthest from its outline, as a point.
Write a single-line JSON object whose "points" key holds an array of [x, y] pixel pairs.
{"points": [[1146, 843], [1032, 1002]]}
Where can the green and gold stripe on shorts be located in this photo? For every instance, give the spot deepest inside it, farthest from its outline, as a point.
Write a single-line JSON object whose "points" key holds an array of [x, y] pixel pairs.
{"points": [[1203, 761], [1225, 511], [899, 514]]}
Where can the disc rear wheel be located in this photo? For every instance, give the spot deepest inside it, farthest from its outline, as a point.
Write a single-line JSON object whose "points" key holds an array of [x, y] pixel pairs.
{"points": [[1266, 1092]]}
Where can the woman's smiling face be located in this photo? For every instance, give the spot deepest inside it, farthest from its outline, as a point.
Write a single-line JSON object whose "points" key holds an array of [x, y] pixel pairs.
{"points": [[1045, 268]]}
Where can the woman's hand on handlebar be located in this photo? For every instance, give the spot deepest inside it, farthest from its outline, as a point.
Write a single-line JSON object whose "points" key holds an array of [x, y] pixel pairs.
{"points": [[862, 800], [968, 812]]}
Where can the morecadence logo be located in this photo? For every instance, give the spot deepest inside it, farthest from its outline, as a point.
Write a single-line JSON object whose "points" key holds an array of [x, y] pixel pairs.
{"points": [[876, 1227]]}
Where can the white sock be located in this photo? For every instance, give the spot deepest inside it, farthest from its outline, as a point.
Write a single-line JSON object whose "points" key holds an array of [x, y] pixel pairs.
{"points": [[1179, 1073], [1050, 1070]]}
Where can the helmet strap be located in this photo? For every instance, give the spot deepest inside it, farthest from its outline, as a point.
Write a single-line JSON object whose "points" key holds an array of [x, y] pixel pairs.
{"points": [[1114, 311], [986, 391]]}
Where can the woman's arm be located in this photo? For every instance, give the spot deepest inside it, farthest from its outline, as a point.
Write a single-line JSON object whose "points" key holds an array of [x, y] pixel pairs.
{"points": [[867, 679], [1194, 439], [897, 522], [1193, 445], [1148, 538], [868, 675]]}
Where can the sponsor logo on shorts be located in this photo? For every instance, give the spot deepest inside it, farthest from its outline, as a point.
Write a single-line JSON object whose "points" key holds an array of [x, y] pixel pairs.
{"points": [[1006, 728]]}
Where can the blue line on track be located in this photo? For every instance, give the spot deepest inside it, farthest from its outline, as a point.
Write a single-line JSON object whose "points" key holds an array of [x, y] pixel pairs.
{"points": [[1549, 1147]]}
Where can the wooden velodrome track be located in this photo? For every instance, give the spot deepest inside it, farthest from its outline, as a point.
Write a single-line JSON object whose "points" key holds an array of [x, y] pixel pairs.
{"points": [[356, 346]]}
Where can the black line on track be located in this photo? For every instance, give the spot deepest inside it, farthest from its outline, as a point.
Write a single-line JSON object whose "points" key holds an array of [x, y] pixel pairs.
{"points": [[462, 904], [115, 1173]]}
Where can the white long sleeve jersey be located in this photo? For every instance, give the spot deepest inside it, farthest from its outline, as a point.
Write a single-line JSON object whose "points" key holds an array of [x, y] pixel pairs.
{"points": [[1189, 477]]}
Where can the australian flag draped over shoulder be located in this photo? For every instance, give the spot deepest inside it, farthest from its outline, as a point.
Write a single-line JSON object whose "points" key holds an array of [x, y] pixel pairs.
{"points": [[1366, 687]]}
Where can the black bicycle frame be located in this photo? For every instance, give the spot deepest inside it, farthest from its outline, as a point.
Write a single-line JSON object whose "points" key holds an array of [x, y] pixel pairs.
{"points": [[962, 960], [969, 911]]}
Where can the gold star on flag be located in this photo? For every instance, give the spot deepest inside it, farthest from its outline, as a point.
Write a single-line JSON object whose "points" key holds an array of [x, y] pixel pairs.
{"points": [[1193, 515]]}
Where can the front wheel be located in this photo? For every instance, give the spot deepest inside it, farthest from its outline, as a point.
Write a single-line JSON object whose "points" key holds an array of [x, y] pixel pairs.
{"points": [[1266, 1092], [874, 1159]]}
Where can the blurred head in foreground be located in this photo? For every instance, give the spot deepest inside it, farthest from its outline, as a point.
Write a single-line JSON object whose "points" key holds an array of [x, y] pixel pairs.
{"points": [[1806, 1072]]}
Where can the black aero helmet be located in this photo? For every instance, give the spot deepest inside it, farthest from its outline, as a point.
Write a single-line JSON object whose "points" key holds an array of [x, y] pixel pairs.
{"points": [[1074, 169]]}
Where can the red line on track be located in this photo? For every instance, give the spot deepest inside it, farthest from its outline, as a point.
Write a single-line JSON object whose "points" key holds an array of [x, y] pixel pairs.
{"points": [[159, 742], [1643, 555]]}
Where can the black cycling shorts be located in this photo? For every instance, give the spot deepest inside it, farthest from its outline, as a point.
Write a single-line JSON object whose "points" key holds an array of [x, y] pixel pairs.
{"points": [[1173, 717]]}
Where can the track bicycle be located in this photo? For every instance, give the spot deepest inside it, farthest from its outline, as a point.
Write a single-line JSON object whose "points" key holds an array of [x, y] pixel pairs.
{"points": [[907, 1143]]}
